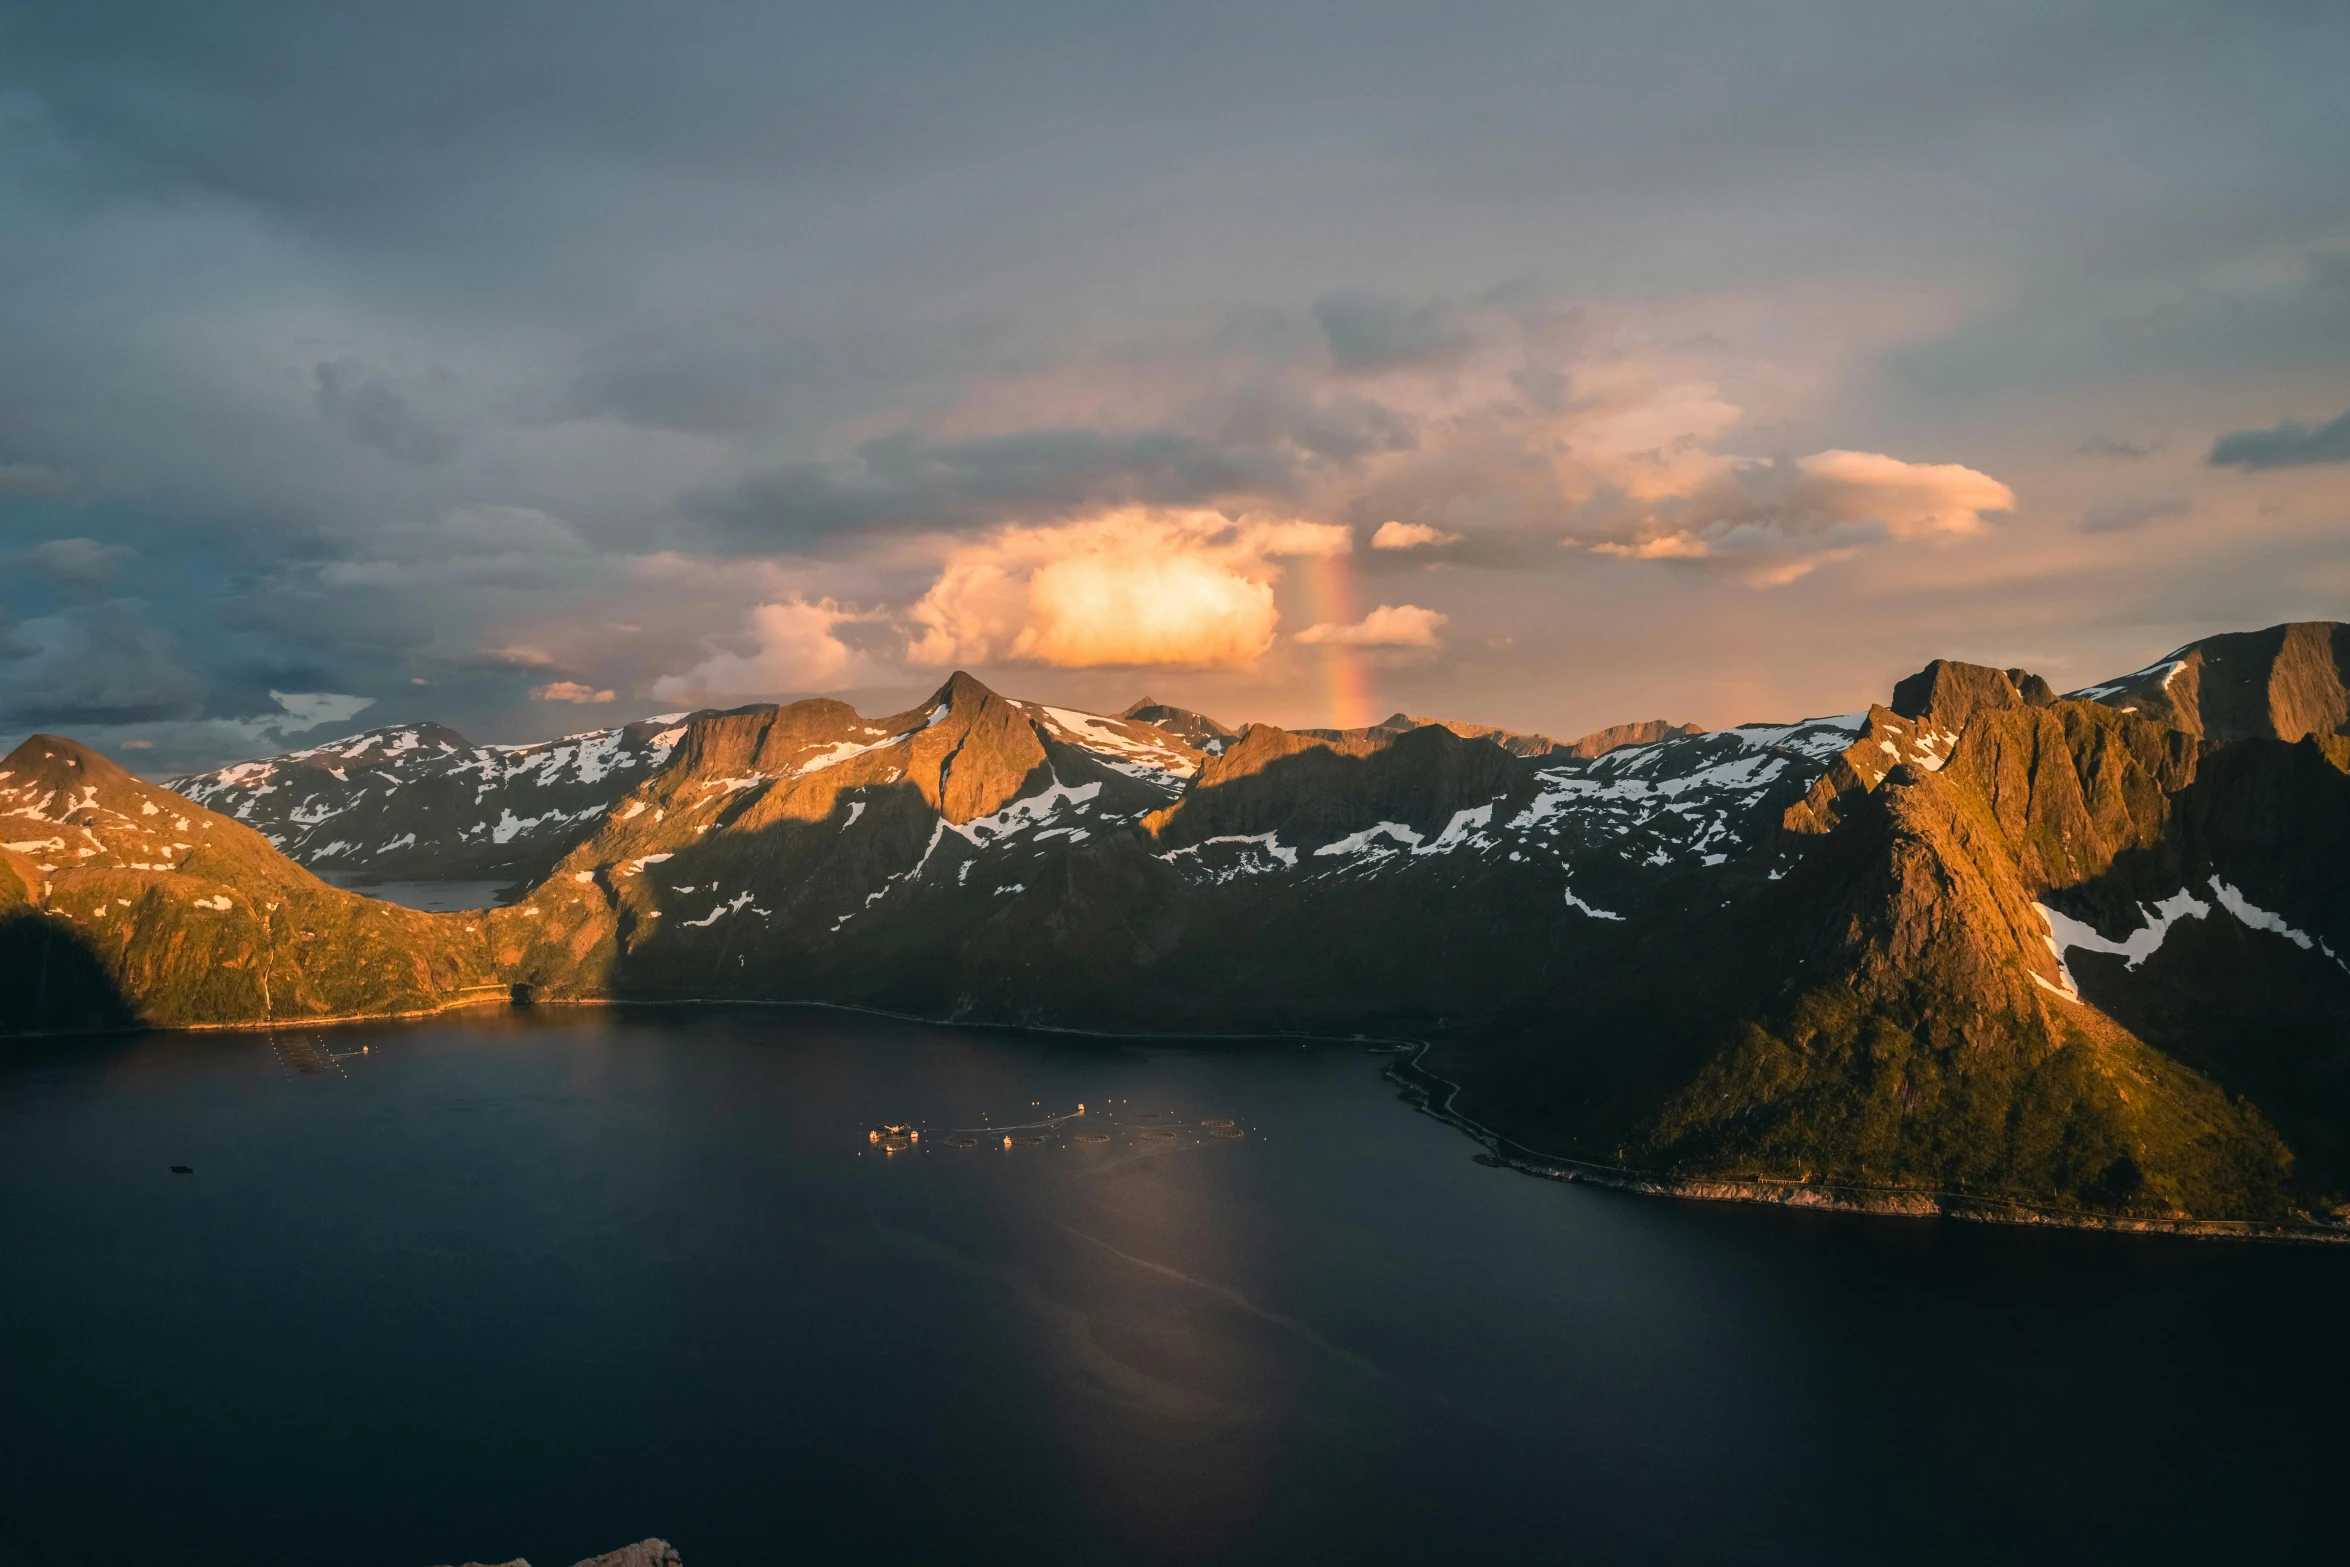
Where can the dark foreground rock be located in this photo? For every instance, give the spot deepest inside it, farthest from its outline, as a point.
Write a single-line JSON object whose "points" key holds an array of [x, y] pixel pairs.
{"points": [[645, 1553]]}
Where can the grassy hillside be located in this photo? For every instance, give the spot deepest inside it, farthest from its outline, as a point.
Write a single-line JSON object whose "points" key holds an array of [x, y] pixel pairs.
{"points": [[121, 902]]}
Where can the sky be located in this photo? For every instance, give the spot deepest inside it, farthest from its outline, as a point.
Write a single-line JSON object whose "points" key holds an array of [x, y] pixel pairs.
{"points": [[537, 367]]}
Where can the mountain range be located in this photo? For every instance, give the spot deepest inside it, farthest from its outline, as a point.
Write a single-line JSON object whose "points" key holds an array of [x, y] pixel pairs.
{"points": [[1980, 948]]}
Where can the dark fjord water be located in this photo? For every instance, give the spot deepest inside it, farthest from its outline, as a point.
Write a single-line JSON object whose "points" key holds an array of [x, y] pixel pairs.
{"points": [[544, 1284]]}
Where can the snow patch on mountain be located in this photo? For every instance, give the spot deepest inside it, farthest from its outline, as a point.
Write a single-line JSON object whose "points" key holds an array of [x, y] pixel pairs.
{"points": [[2261, 919], [1366, 841], [1031, 811], [734, 906], [1592, 910], [2066, 933], [1238, 854]]}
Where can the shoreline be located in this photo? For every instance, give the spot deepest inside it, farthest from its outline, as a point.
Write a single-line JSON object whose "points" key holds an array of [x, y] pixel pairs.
{"points": [[1420, 1088], [1382, 1042], [1430, 1095]]}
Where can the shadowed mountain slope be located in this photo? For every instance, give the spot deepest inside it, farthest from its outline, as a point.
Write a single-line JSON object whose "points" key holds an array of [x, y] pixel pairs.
{"points": [[1981, 940], [1195, 729], [1899, 1011], [2283, 683]]}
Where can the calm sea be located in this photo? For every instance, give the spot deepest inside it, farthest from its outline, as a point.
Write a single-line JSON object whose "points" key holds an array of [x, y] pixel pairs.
{"points": [[542, 1284]]}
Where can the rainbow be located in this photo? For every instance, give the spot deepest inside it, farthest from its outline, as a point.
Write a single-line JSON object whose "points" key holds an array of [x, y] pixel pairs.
{"points": [[1330, 589]]}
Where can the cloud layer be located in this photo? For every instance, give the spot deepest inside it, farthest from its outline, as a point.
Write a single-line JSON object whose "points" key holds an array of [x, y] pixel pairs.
{"points": [[476, 362]]}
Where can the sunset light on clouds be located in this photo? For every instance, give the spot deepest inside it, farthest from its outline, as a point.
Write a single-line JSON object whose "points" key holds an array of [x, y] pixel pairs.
{"points": [[855, 376], [1131, 587]]}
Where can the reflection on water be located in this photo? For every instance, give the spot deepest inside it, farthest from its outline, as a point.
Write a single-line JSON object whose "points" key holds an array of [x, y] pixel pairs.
{"points": [[1110, 1126], [313, 1052], [528, 1285]]}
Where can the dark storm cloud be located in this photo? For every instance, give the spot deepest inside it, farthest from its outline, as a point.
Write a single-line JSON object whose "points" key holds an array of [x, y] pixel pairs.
{"points": [[1370, 331], [85, 562], [93, 664], [24, 478], [2125, 329], [690, 393], [370, 411], [900, 481], [2288, 444]]}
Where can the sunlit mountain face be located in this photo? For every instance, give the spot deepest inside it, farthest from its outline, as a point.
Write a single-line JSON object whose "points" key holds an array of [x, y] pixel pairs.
{"points": [[1695, 954]]}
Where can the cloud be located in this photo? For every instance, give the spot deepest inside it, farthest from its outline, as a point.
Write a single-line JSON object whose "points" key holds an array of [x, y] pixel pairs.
{"points": [[2114, 446], [1410, 536], [368, 410], [178, 741], [1667, 546], [467, 548], [2289, 444], [519, 656], [795, 649], [1912, 500], [1820, 508], [1132, 586], [906, 482], [568, 691], [83, 561], [1367, 331], [93, 664], [1390, 625], [313, 709], [2116, 516], [24, 478]]}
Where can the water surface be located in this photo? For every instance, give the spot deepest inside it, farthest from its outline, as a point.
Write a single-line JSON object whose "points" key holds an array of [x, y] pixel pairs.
{"points": [[433, 897], [537, 1285]]}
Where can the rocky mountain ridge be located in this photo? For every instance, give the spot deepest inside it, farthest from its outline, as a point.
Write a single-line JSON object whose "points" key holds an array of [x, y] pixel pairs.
{"points": [[421, 802], [123, 902], [1534, 747], [2082, 952]]}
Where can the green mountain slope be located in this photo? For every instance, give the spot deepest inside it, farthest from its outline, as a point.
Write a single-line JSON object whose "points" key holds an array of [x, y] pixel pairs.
{"points": [[123, 902]]}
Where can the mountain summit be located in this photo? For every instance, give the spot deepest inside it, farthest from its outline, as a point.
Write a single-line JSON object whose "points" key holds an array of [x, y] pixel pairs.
{"points": [[1980, 945]]}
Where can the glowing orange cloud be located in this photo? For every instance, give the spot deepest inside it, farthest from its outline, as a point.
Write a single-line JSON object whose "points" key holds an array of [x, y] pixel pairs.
{"points": [[1132, 586], [1390, 625], [1912, 499], [795, 650], [570, 691], [1780, 522], [1410, 536]]}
